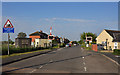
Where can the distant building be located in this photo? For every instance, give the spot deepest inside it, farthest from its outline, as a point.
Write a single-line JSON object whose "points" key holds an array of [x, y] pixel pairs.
{"points": [[110, 39], [42, 43], [37, 35], [40, 39], [22, 42]]}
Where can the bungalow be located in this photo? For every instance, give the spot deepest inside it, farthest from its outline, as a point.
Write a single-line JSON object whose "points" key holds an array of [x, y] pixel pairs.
{"points": [[110, 39]]}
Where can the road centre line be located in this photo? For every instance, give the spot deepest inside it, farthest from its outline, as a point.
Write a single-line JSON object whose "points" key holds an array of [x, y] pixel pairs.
{"points": [[41, 66], [33, 71], [51, 61], [85, 68], [84, 63], [83, 57]]}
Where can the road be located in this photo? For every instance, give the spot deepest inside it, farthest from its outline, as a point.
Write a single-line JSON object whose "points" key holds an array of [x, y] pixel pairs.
{"points": [[66, 60]]}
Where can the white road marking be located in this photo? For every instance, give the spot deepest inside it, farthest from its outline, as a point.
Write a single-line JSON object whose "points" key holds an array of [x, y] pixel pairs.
{"points": [[85, 68], [41, 66], [84, 63], [45, 64], [83, 57], [111, 59], [117, 56], [51, 60], [33, 71]]}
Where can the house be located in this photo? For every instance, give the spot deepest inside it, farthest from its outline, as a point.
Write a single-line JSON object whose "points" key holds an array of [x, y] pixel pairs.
{"points": [[110, 39], [39, 39], [22, 42], [42, 43]]}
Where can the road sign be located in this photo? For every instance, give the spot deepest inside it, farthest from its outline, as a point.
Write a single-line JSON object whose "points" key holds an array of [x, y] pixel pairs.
{"points": [[8, 24], [51, 37], [8, 27], [8, 30]]}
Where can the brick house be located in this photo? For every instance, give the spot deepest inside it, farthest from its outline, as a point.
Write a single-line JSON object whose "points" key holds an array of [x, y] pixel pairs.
{"points": [[22, 42]]}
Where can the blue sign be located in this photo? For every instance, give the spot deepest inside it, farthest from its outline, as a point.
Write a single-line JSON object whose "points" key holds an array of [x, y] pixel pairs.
{"points": [[8, 30]]}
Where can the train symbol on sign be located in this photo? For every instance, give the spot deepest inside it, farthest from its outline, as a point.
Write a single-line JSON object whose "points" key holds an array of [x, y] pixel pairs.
{"points": [[8, 24], [8, 27]]}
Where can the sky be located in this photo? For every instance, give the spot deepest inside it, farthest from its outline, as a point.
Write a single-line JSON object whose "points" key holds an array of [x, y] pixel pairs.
{"points": [[68, 19], [60, 0]]}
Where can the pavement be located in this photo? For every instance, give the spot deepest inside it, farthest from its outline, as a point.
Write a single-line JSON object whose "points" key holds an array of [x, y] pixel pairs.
{"points": [[72, 60], [112, 57]]}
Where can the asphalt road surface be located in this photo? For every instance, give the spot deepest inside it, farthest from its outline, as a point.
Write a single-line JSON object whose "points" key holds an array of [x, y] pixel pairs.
{"points": [[66, 60]]}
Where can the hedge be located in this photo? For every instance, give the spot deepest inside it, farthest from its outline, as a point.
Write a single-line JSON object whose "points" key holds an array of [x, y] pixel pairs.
{"points": [[116, 52], [19, 50]]}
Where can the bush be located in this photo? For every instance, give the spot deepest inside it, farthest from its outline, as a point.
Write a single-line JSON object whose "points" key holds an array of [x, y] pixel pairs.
{"points": [[116, 51], [13, 49]]}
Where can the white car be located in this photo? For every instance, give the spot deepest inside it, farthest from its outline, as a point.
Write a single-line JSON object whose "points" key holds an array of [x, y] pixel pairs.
{"points": [[67, 45], [75, 44]]}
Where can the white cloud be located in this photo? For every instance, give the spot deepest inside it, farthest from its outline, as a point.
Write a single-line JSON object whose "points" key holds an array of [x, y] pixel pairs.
{"points": [[78, 20], [67, 19]]}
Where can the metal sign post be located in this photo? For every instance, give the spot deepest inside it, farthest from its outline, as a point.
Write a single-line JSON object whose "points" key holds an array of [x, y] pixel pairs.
{"points": [[8, 28], [8, 43]]}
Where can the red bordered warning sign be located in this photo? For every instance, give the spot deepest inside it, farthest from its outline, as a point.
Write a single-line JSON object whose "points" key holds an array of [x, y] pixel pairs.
{"points": [[8, 24]]}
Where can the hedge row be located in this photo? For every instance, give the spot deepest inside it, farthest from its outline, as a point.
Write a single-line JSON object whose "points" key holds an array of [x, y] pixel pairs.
{"points": [[116, 51], [20, 50]]}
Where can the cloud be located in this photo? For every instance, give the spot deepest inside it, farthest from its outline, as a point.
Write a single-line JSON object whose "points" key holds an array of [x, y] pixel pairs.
{"points": [[67, 19], [78, 20]]}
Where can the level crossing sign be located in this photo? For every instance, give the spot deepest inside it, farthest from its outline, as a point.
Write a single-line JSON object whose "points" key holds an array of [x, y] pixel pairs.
{"points": [[8, 27]]}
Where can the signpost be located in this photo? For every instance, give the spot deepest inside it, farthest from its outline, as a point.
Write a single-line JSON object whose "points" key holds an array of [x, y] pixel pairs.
{"points": [[8, 28]]}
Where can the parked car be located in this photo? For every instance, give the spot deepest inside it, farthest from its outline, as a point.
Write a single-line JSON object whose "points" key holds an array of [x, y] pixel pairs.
{"points": [[67, 45], [74, 44]]}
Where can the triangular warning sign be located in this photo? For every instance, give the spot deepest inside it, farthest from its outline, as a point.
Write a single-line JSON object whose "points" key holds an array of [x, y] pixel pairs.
{"points": [[8, 24]]}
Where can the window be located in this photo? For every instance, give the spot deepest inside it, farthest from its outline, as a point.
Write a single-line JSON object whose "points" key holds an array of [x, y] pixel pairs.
{"points": [[103, 43], [37, 43], [115, 47], [115, 43]]}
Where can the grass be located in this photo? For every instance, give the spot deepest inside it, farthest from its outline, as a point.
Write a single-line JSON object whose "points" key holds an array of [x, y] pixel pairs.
{"points": [[116, 52], [87, 48]]}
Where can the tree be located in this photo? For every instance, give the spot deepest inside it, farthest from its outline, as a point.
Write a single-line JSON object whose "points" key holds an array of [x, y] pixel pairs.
{"points": [[74, 42], [83, 37], [21, 35], [11, 42], [66, 40]]}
